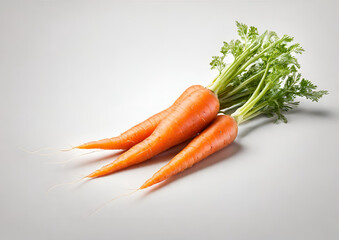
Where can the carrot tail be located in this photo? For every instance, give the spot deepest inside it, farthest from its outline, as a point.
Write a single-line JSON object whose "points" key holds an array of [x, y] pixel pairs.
{"points": [[185, 121], [220, 133], [139, 132], [131, 137]]}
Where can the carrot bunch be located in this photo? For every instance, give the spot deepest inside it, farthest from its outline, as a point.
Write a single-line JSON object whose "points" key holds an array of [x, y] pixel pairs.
{"points": [[262, 79]]}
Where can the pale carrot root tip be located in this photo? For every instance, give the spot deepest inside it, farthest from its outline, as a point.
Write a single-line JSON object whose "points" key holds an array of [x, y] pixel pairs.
{"points": [[113, 199], [63, 184], [72, 158], [70, 148], [52, 151], [67, 149]]}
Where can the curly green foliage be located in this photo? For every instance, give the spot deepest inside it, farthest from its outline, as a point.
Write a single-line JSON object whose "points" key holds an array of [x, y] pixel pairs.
{"points": [[248, 53], [263, 77], [282, 96], [235, 47]]}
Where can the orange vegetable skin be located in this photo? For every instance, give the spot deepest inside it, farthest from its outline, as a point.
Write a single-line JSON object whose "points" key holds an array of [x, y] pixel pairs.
{"points": [[186, 120], [221, 132], [139, 132]]}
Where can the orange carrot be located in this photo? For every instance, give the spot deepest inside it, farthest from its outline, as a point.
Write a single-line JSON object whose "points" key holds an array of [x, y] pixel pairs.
{"points": [[185, 121], [139, 132], [220, 133]]}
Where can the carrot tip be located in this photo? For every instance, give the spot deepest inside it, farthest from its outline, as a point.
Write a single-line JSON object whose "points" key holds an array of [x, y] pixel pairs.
{"points": [[63, 184], [113, 199], [47, 151], [91, 175], [67, 149], [82, 146], [143, 187]]}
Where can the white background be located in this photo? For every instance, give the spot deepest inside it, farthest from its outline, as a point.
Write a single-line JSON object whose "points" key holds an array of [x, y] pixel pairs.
{"points": [[73, 71]]}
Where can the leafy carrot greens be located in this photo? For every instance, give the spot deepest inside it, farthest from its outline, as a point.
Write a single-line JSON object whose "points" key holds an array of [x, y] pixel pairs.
{"points": [[263, 77]]}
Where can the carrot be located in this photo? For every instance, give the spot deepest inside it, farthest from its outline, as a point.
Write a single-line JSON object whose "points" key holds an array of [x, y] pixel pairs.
{"points": [[220, 133], [186, 120], [263, 79], [139, 132]]}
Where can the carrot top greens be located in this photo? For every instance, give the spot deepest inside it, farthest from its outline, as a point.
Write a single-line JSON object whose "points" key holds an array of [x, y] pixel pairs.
{"points": [[263, 77], [276, 94]]}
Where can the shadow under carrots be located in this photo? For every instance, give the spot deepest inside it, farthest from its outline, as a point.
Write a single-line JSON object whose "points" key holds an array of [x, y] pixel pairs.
{"points": [[243, 132], [311, 112], [262, 120], [215, 158]]}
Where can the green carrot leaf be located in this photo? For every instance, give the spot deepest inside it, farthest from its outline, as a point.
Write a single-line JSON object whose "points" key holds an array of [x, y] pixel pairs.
{"points": [[242, 30]]}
